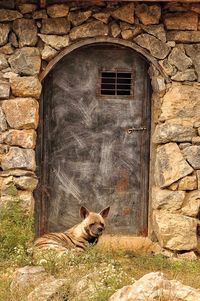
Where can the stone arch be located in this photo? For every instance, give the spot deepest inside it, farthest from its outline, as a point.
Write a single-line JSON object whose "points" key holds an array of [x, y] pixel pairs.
{"points": [[108, 40]]}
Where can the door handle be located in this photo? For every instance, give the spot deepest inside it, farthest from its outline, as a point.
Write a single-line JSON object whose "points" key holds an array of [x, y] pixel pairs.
{"points": [[135, 129]]}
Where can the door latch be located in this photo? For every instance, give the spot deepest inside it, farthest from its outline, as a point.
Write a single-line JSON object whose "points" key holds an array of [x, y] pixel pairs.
{"points": [[134, 129]]}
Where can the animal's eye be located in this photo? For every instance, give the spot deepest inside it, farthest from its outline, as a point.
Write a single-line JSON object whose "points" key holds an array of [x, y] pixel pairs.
{"points": [[101, 224]]}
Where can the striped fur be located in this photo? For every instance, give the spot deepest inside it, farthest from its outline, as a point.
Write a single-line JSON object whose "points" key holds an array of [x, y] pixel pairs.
{"points": [[79, 236]]}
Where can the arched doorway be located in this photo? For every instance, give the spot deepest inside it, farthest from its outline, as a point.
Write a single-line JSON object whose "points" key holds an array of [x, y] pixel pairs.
{"points": [[94, 139]]}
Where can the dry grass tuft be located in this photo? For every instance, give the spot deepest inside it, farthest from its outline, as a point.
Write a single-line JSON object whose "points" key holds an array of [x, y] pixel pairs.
{"points": [[131, 243]]}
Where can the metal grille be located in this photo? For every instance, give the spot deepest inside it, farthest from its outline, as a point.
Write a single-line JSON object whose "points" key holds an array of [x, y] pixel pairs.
{"points": [[116, 83]]}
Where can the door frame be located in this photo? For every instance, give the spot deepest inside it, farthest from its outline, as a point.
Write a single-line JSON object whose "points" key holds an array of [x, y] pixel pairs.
{"points": [[40, 204]]}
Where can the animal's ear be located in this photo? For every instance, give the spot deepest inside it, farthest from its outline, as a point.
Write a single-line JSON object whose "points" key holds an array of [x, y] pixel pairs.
{"points": [[84, 212], [104, 212]]}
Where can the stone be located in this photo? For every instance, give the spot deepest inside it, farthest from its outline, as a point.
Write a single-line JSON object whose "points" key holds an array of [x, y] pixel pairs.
{"points": [[27, 8], [57, 42], [48, 53], [7, 4], [9, 75], [125, 25], [8, 188], [148, 14], [115, 30], [181, 101], [187, 256], [4, 32], [193, 51], [9, 15], [13, 40], [28, 276], [19, 158], [1, 154], [177, 130], [22, 138], [183, 36], [192, 154], [21, 113], [173, 186], [127, 34], [125, 13], [184, 145], [187, 75], [196, 140], [171, 44], [3, 123], [168, 254], [57, 26], [77, 18], [88, 30], [157, 31], [16, 172], [167, 200], [26, 61], [188, 183], [4, 89], [157, 48], [87, 285], [191, 204], [49, 291], [181, 21], [175, 232], [5, 71], [7, 49], [177, 6], [26, 30], [23, 198], [4, 148], [102, 16], [198, 179], [158, 84], [153, 71], [178, 58], [27, 202], [155, 286], [25, 183], [136, 30], [195, 7], [3, 62], [40, 14], [57, 10], [170, 165], [26, 86], [197, 125]]}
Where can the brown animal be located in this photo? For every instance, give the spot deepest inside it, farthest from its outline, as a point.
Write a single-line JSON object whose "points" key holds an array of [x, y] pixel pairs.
{"points": [[80, 235]]}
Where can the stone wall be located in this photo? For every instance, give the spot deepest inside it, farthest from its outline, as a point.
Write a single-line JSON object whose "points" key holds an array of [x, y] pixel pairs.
{"points": [[31, 37]]}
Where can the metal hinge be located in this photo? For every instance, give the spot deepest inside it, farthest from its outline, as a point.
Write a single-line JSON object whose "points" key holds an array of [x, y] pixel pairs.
{"points": [[133, 129]]}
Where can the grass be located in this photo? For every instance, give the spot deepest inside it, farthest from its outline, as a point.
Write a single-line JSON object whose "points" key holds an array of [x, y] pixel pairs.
{"points": [[99, 273], [93, 275], [16, 233]]}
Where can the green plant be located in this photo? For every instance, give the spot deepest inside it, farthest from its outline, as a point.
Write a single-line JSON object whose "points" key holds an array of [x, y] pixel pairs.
{"points": [[16, 233]]}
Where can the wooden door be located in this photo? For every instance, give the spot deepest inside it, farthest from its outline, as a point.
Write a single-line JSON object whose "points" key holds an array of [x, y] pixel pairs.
{"points": [[94, 139]]}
